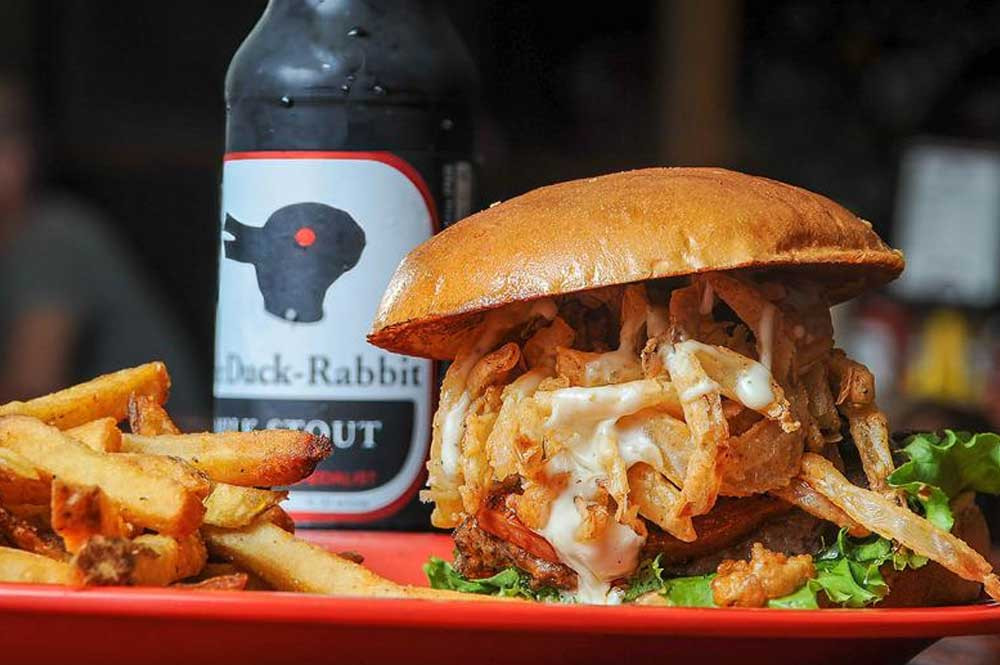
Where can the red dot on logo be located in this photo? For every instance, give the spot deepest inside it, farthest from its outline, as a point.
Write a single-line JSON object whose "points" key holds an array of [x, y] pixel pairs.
{"points": [[305, 236]]}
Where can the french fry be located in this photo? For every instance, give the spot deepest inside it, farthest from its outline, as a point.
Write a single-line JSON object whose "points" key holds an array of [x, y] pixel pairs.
{"points": [[102, 435], [30, 568], [173, 468], [658, 501], [80, 512], [145, 499], [226, 505], [290, 564], [277, 516], [29, 536], [252, 459], [233, 507], [161, 560], [20, 482], [105, 396], [148, 560], [147, 416]]}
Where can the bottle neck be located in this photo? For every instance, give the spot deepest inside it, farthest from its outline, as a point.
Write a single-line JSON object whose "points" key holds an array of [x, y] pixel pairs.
{"points": [[346, 8]]}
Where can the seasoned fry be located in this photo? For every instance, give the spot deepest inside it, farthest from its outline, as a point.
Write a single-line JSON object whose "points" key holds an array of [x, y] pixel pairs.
{"points": [[702, 406], [20, 482], [26, 535], [105, 396], [148, 560], [890, 520], [29, 568], [101, 435], [658, 501], [234, 507], [161, 560], [251, 459], [290, 564], [147, 416], [277, 516], [174, 468], [799, 493], [145, 499], [78, 513]]}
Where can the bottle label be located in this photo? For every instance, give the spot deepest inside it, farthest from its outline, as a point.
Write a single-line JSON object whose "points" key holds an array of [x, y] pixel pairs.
{"points": [[309, 243]]}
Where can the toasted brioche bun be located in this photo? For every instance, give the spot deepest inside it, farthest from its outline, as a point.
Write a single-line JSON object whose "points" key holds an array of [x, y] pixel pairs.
{"points": [[616, 229]]}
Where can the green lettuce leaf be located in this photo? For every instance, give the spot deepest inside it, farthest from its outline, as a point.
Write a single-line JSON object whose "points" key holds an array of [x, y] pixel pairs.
{"points": [[509, 582], [954, 462], [690, 591], [647, 577], [942, 466]]}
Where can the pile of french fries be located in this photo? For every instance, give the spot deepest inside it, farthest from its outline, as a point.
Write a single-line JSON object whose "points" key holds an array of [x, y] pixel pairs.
{"points": [[84, 503]]}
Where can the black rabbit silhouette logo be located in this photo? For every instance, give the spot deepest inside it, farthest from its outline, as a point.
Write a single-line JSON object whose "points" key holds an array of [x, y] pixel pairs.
{"points": [[298, 254]]}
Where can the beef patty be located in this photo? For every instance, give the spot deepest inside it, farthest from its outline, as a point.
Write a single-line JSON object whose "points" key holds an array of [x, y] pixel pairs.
{"points": [[727, 532]]}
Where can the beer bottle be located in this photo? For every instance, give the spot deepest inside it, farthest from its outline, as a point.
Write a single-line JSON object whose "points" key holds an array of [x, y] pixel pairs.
{"points": [[348, 141]]}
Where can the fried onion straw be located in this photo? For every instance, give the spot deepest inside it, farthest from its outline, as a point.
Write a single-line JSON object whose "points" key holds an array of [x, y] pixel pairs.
{"points": [[889, 520]]}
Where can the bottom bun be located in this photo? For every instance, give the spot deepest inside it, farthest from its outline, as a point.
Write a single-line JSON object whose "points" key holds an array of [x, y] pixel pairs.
{"points": [[933, 584]]}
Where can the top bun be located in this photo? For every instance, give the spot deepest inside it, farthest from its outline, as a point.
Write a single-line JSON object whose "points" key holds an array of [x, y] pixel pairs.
{"points": [[620, 228]]}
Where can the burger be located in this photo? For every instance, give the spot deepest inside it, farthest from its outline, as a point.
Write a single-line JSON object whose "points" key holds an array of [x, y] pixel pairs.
{"points": [[645, 403]]}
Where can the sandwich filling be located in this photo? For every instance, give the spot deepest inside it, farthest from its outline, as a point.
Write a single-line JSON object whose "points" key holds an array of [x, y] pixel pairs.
{"points": [[580, 436]]}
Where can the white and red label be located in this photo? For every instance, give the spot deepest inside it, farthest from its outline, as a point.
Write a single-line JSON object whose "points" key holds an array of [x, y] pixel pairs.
{"points": [[309, 242]]}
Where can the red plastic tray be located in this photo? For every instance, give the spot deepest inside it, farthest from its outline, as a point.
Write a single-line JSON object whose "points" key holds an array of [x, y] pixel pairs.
{"points": [[151, 626]]}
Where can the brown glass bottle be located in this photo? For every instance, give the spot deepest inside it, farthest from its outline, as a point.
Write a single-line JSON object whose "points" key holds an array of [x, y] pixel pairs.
{"points": [[349, 140]]}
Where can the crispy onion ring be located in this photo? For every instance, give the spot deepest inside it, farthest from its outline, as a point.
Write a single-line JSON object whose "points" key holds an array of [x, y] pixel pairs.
{"points": [[887, 519]]}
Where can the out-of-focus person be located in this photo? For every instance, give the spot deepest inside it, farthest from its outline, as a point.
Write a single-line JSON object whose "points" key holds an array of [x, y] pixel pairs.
{"points": [[73, 301]]}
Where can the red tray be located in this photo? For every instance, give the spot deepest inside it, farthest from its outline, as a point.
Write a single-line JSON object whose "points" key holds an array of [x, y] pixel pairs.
{"points": [[151, 626]]}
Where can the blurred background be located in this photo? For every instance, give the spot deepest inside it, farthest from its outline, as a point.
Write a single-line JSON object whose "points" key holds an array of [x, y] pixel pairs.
{"points": [[111, 116]]}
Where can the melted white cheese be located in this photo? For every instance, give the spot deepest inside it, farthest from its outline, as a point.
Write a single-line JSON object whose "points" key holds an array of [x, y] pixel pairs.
{"points": [[635, 445], [700, 389], [452, 431], [591, 414], [752, 385], [765, 336]]}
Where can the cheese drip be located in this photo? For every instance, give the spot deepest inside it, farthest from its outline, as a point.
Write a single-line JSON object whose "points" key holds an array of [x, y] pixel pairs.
{"points": [[596, 442]]}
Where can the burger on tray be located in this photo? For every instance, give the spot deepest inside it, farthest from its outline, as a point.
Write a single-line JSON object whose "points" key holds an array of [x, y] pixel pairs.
{"points": [[646, 404]]}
